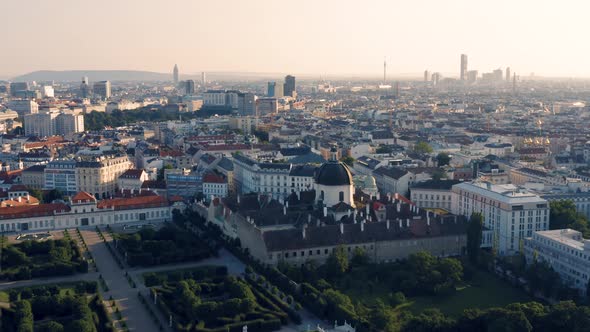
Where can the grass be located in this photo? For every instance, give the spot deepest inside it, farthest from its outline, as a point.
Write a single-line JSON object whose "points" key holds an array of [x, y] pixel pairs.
{"points": [[4, 297], [485, 291]]}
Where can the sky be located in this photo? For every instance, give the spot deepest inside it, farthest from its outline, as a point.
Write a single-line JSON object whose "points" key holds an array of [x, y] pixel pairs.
{"points": [[306, 37]]}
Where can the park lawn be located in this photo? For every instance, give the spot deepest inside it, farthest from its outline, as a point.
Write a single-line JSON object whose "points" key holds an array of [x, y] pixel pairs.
{"points": [[486, 291]]}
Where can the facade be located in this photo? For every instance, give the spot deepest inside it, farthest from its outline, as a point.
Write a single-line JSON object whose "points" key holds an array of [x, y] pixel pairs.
{"points": [[463, 73], [189, 87], [84, 210], [214, 186], [102, 89], [132, 179], [246, 104], [33, 177], [393, 180], [183, 183], [23, 107], [61, 175], [566, 251], [433, 194], [580, 199], [289, 88], [266, 106], [69, 123], [99, 176], [511, 213], [270, 89], [243, 123], [41, 124]]}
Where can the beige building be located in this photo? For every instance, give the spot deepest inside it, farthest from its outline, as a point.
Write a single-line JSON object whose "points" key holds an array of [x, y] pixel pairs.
{"points": [[99, 176], [34, 177], [243, 123]]}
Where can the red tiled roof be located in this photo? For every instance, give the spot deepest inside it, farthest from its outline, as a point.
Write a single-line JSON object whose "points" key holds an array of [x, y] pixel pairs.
{"points": [[30, 211], [212, 178], [133, 203], [83, 197]]}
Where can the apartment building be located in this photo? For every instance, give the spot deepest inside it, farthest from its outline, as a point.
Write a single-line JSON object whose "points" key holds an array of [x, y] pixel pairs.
{"points": [[511, 213], [99, 175]]}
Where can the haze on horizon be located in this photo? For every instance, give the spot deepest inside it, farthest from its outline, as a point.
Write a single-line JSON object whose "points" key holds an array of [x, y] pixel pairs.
{"points": [[321, 37]]}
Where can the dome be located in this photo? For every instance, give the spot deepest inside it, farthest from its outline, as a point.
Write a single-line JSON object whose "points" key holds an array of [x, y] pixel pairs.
{"points": [[333, 174], [370, 182]]}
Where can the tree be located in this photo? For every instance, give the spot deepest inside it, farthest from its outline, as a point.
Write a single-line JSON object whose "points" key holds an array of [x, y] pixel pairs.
{"points": [[474, 236], [348, 160], [439, 174], [359, 257], [443, 159], [422, 147], [37, 193], [384, 149], [563, 214], [337, 262]]}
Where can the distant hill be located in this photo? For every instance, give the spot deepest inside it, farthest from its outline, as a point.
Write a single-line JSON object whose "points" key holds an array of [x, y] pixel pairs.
{"points": [[93, 76], [136, 75]]}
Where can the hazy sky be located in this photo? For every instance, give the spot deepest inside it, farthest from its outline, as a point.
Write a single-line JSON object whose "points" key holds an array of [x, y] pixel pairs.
{"points": [[318, 37]]}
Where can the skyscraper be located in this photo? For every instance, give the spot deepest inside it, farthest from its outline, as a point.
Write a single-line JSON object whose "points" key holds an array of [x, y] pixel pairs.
{"points": [[103, 89], [175, 74], [270, 89], [84, 88], [189, 87], [426, 76], [463, 67], [289, 86], [203, 78], [384, 71], [508, 77]]}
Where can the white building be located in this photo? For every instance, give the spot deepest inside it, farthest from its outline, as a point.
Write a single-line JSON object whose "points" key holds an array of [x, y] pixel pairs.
{"points": [[40, 124], [566, 251], [48, 91], [214, 186], [84, 210], [215, 98], [510, 212], [23, 107], [277, 179], [433, 194]]}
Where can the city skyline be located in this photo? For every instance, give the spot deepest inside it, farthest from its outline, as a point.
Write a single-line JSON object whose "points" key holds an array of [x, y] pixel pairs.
{"points": [[335, 38]]}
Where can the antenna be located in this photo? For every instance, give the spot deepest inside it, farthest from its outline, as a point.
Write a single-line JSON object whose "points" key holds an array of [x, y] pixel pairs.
{"points": [[384, 70]]}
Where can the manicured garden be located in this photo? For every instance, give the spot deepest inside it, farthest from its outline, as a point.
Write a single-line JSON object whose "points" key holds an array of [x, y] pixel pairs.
{"points": [[35, 259], [208, 300], [169, 244], [54, 308]]}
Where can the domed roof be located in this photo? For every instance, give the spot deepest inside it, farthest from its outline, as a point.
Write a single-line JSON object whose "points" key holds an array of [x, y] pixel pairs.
{"points": [[333, 174]]}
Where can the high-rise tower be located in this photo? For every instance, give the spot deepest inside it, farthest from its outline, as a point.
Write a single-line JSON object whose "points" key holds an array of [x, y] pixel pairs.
{"points": [[463, 75], [426, 76], [289, 86], [175, 74], [508, 77], [384, 71]]}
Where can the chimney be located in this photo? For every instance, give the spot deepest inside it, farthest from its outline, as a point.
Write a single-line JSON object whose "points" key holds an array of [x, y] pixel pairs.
{"points": [[368, 208], [408, 221], [455, 219], [362, 225], [284, 210], [317, 223], [398, 207], [309, 218], [298, 195], [325, 211], [303, 231], [400, 223], [378, 195], [287, 203], [238, 199], [19, 199], [428, 218], [387, 223], [341, 228]]}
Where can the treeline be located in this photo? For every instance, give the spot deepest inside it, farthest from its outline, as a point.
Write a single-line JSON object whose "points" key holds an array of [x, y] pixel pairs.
{"points": [[35, 259], [46, 308], [167, 245], [98, 120], [532, 316]]}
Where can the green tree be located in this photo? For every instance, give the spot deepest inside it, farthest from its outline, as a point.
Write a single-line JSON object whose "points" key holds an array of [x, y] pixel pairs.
{"points": [[422, 147], [348, 160], [443, 159], [474, 236], [337, 262], [359, 257], [563, 214], [50, 326]]}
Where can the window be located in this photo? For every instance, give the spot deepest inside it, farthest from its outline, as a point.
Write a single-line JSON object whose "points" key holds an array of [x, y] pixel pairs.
{"points": [[341, 196]]}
